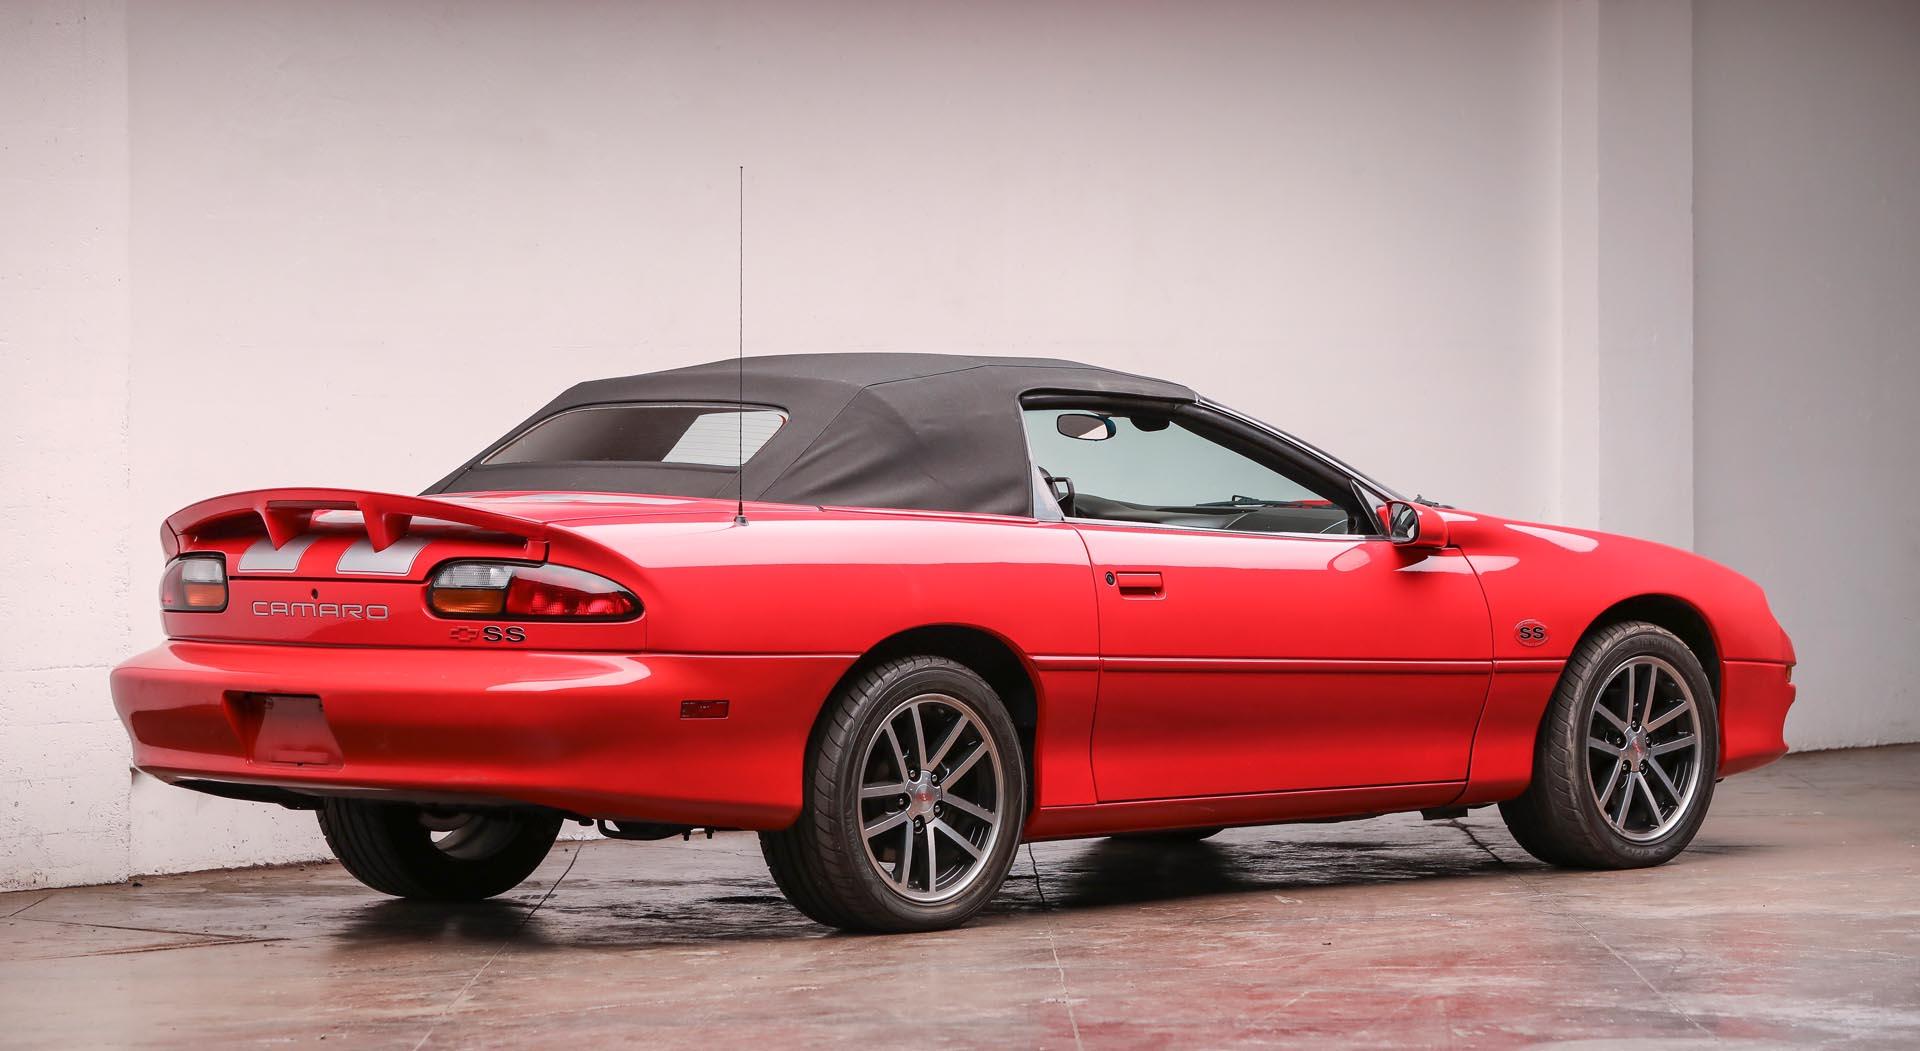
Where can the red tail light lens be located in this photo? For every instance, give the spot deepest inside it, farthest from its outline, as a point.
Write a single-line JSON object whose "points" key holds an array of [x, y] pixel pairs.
{"points": [[511, 590], [194, 584]]}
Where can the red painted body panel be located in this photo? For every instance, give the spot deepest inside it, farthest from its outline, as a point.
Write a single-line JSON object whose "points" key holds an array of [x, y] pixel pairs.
{"points": [[1234, 679], [1269, 663], [589, 733]]}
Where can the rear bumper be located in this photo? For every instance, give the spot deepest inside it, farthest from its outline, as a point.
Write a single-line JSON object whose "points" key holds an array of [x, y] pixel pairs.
{"points": [[594, 734]]}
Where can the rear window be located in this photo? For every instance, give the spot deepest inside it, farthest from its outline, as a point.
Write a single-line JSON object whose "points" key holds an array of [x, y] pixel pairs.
{"points": [[699, 435]]}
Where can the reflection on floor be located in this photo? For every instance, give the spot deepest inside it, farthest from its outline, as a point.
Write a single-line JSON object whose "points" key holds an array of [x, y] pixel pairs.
{"points": [[1795, 918]]}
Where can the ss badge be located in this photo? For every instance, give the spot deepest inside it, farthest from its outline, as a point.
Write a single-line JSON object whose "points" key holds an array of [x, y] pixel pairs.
{"points": [[1530, 633], [490, 633]]}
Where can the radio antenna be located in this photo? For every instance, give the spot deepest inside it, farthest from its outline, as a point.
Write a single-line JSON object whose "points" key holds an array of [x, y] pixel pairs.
{"points": [[740, 365]]}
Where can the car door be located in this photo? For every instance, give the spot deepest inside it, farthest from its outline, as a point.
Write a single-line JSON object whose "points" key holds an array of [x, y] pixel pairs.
{"points": [[1257, 634]]}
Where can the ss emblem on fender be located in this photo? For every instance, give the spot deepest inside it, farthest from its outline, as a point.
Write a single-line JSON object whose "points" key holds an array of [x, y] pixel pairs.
{"points": [[1530, 632]]}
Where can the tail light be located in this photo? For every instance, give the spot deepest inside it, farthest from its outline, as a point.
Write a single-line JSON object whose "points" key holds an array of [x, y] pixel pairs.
{"points": [[512, 589], [194, 584]]}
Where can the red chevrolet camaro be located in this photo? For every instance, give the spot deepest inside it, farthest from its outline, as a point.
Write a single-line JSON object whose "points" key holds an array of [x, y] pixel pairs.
{"points": [[960, 602]]}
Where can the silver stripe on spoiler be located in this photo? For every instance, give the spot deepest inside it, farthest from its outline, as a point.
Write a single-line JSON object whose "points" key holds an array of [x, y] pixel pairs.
{"points": [[263, 557], [396, 560]]}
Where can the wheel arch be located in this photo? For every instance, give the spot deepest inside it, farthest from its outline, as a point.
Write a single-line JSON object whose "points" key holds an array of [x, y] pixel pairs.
{"points": [[1673, 613], [987, 653]]}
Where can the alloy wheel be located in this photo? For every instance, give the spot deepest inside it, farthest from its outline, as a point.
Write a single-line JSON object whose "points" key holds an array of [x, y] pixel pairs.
{"points": [[1643, 749], [932, 798]]}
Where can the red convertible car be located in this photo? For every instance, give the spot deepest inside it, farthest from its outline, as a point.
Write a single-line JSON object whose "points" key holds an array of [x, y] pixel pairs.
{"points": [[960, 602]]}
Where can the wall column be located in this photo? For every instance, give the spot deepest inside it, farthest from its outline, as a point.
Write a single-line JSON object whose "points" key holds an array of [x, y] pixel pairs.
{"points": [[1625, 440]]}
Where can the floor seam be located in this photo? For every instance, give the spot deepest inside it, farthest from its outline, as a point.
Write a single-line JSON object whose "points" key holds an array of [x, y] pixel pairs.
{"points": [[1046, 918], [143, 930], [501, 948], [28, 905], [1585, 928]]}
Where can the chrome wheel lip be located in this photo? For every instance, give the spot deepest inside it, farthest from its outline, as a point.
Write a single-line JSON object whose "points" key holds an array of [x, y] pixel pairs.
{"points": [[1626, 777], [924, 827]]}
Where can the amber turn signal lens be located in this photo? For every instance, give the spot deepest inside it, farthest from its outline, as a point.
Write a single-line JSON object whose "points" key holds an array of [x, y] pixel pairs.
{"points": [[194, 584], [461, 602]]}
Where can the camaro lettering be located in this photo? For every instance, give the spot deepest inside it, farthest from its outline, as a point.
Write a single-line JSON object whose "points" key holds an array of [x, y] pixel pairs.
{"points": [[321, 610]]}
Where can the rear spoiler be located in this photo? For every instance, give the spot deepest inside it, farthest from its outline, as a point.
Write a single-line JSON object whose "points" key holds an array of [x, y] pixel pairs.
{"points": [[288, 513]]}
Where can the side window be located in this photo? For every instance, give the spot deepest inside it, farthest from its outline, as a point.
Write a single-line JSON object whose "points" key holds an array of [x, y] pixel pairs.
{"points": [[1140, 466]]}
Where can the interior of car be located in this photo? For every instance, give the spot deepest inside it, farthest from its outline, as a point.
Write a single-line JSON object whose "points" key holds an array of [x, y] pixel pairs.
{"points": [[1182, 466]]}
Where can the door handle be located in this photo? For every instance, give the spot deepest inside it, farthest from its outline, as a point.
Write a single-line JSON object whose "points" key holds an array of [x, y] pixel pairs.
{"points": [[1139, 584]]}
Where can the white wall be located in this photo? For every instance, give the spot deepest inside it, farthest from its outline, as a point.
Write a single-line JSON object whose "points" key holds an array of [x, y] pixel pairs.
{"points": [[345, 243], [1807, 412], [65, 608]]}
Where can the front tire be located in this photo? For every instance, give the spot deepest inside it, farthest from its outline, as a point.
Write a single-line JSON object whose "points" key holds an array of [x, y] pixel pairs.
{"points": [[1624, 766], [915, 795], [411, 852]]}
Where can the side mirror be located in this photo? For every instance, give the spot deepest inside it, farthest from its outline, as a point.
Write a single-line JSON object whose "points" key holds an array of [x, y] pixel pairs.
{"points": [[1414, 526], [1085, 426]]}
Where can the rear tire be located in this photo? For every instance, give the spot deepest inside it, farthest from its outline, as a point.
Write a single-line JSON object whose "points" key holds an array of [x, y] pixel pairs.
{"points": [[914, 798], [1625, 763], [391, 848]]}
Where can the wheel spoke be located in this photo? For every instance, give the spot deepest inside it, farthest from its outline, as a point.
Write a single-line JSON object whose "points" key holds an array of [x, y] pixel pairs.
{"points": [[904, 874], [882, 791], [933, 862], [899, 754], [965, 843], [1653, 693], [966, 807], [1608, 747], [1600, 708], [1660, 775], [1646, 790], [1633, 691], [952, 736], [920, 737], [1676, 712], [1613, 782], [966, 764], [1674, 745], [1626, 804], [892, 820]]}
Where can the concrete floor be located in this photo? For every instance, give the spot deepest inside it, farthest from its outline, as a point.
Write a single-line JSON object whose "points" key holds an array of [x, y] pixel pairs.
{"points": [[1795, 918]]}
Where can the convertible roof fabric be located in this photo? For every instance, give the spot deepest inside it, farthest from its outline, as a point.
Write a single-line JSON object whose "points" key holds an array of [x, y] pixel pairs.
{"points": [[932, 432]]}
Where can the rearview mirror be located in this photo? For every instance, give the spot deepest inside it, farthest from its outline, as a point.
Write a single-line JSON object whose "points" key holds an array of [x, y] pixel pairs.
{"points": [[1414, 526], [1085, 426]]}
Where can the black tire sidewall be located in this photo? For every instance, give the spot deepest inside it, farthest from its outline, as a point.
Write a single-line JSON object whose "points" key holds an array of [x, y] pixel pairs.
{"points": [[882, 903]]}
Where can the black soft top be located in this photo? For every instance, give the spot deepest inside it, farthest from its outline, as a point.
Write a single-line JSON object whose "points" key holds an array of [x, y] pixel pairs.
{"points": [[934, 432]]}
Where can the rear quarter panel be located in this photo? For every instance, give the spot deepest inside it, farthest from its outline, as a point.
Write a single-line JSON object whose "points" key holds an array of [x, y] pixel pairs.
{"points": [[840, 582]]}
